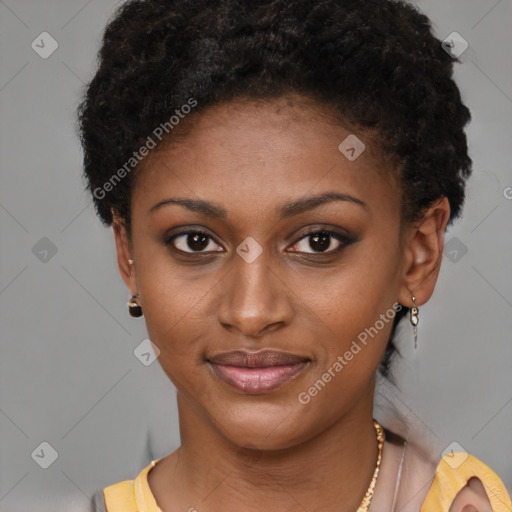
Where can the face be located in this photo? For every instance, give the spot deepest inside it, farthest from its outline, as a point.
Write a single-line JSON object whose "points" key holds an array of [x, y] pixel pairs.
{"points": [[249, 261]]}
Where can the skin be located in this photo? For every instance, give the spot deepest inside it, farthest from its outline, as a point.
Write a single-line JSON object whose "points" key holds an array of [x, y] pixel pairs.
{"points": [[269, 451]]}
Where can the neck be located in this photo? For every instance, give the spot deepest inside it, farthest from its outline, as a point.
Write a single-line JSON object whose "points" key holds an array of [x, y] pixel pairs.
{"points": [[330, 471]]}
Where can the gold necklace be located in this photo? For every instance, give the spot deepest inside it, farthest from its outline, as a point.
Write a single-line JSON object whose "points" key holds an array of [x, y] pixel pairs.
{"points": [[369, 493]]}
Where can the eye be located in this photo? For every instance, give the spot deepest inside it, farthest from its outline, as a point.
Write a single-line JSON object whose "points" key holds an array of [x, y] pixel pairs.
{"points": [[192, 241], [321, 242]]}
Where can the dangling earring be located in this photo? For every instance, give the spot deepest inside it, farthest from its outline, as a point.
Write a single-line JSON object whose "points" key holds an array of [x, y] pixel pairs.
{"points": [[414, 321], [134, 308]]}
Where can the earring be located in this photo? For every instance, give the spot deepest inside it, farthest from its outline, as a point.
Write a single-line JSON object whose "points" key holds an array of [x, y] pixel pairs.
{"points": [[134, 308], [415, 321]]}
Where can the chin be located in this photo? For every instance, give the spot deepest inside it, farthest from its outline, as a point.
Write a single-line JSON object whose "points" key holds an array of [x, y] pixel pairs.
{"points": [[262, 427]]}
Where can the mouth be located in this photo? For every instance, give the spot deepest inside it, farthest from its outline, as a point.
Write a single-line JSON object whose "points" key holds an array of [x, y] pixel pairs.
{"points": [[257, 372]]}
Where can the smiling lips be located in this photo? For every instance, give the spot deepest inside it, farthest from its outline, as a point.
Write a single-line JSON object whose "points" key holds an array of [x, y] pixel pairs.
{"points": [[257, 372]]}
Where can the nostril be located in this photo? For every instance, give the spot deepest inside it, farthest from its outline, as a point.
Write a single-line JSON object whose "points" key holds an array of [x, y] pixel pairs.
{"points": [[469, 508]]}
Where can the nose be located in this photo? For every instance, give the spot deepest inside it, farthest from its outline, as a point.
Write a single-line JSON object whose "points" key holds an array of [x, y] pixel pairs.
{"points": [[255, 300]]}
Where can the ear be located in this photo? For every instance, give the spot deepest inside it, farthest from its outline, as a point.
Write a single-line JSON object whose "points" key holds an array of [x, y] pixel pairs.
{"points": [[423, 246], [124, 253]]}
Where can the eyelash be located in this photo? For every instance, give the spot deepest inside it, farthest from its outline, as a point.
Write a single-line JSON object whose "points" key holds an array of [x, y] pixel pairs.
{"points": [[343, 239]]}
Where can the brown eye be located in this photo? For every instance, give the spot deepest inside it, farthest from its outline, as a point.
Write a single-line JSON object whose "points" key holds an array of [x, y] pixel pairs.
{"points": [[320, 242], [192, 242]]}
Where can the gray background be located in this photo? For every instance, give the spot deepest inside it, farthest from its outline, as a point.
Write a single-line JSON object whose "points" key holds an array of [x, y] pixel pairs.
{"points": [[69, 376]]}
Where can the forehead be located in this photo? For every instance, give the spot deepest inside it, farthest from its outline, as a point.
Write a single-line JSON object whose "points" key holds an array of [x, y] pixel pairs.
{"points": [[255, 154]]}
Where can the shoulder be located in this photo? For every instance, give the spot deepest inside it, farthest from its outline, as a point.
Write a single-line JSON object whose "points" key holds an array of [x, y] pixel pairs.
{"points": [[120, 497], [131, 495], [461, 479], [428, 483]]}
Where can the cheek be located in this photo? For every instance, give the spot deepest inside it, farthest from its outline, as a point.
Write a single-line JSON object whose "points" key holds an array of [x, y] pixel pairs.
{"points": [[174, 316], [354, 294], [354, 307]]}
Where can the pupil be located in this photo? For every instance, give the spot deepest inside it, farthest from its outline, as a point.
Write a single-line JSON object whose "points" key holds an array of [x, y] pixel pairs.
{"points": [[320, 241], [197, 241]]}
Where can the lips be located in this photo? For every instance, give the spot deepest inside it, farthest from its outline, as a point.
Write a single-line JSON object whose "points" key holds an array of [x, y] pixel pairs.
{"points": [[261, 359], [257, 372]]}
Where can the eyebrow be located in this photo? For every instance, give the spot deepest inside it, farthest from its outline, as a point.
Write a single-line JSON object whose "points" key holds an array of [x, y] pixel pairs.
{"points": [[284, 211]]}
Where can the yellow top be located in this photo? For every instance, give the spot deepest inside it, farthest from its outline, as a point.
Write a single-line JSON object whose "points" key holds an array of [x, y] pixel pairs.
{"points": [[452, 474]]}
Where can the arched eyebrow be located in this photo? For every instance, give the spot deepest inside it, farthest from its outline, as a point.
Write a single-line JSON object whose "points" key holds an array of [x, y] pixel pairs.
{"points": [[284, 211], [309, 203], [194, 205]]}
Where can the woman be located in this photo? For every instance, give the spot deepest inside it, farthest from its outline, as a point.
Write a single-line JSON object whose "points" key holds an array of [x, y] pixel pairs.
{"points": [[279, 176]]}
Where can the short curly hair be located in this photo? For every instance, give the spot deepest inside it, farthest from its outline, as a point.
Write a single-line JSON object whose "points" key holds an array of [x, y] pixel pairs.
{"points": [[375, 63]]}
